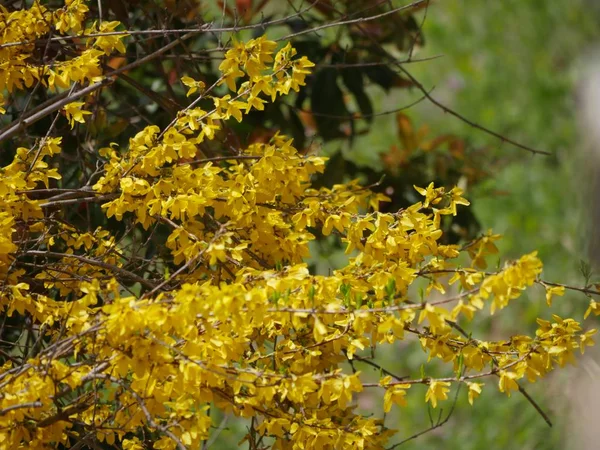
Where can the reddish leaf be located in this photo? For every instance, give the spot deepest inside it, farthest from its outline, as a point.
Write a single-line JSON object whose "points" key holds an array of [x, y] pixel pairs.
{"points": [[116, 62], [437, 142], [395, 159]]}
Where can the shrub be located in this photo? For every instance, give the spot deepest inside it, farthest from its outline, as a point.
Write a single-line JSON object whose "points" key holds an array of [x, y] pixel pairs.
{"points": [[170, 280]]}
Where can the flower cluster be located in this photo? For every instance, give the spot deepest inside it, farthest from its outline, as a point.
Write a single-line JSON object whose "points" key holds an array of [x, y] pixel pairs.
{"points": [[54, 49]]}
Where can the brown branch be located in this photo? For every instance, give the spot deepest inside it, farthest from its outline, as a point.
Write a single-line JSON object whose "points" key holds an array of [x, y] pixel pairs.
{"points": [[534, 404], [206, 28], [123, 272], [144, 408], [10, 408], [439, 423], [76, 200], [462, 118], [440, 105], [497, 365], [221, 158], [357, 115], [585, 290], [64, 414], [354, 21]]}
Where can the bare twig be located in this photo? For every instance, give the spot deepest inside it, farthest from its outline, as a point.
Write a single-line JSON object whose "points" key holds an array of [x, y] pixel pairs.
{"points": [[119, 270]]}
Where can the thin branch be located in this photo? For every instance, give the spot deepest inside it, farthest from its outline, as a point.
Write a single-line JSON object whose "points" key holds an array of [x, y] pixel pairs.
{"points": [[144, 408], [10, 408], [123, 272], [358, 115], [206, 28], [353, 21], [443, 107], [439, 423]]}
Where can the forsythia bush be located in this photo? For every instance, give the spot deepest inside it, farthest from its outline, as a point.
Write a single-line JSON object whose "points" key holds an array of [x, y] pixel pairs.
{"points": [[138, 354]]}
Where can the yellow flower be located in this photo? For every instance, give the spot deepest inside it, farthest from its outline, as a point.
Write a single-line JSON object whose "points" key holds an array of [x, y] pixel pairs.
{"points": [[474, 391], [110, 43], [593, 308], [132, 444], [456, 199], [553, 290], [75, 113], [432, 195], [395, 395], [508, 382], [438, 390], [193, 85]]}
